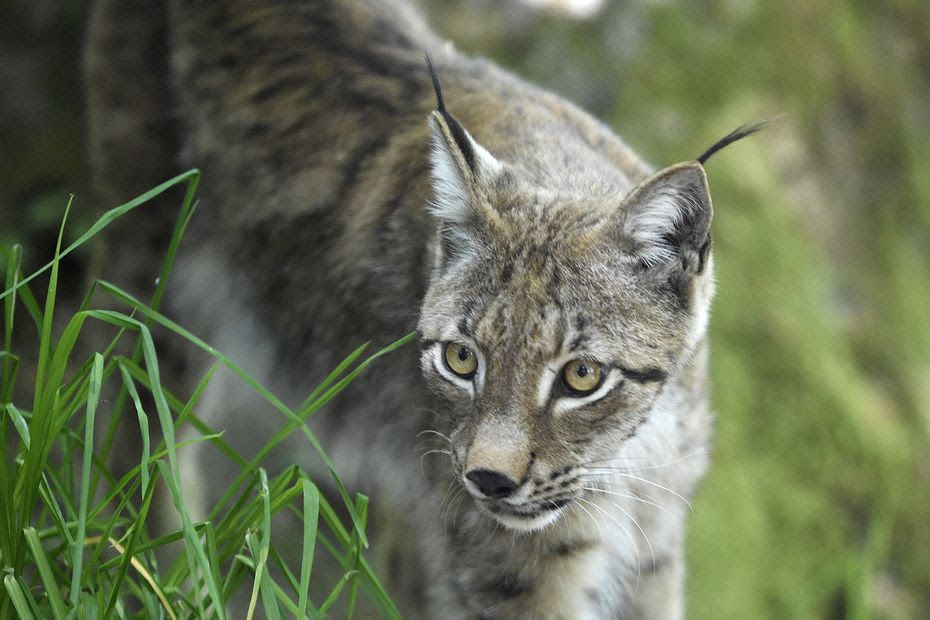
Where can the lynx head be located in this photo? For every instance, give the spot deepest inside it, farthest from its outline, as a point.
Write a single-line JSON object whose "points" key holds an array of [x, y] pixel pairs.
{"points": [[552, 321]]}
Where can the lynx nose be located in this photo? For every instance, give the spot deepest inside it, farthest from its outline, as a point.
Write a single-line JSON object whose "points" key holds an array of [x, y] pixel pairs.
{"points": [[491, 483]]}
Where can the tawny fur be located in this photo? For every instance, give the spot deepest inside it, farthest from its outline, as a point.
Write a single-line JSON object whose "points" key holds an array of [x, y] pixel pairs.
{"points": [[339, 207]]}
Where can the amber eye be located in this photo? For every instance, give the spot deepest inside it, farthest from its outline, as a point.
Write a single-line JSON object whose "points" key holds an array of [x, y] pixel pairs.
{"points": [[582, 377], [461, 360]]}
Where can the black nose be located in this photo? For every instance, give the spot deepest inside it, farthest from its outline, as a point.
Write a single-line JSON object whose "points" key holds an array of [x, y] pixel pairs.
{"points": [[492, 483]]}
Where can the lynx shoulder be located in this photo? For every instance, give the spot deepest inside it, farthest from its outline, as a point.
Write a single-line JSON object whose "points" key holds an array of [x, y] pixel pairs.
{"points": [[559, 286]]}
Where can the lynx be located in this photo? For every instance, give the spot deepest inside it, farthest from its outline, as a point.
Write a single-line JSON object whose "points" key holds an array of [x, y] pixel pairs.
{"points": [[559, 286]]}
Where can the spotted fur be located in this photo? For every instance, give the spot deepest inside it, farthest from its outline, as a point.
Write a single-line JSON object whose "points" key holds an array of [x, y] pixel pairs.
{"points": [[341, 204]]}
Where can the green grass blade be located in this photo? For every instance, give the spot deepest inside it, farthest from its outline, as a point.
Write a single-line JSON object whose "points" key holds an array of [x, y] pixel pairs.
{"points": [[229, 534], [8, 520], [130, 549], [45, 490], [131, 478], [377, 593], [376, 590], [19, 422], [113, 419], [311, 515], [48, 577], [173, 477], [8, 373], [289, 604], [22, 290], [269, 600], [193, 551], [334, 595], [262, 579], [188, 207], [150, 545], [30, 472], [105, 220], [362, 506], [18, 595], [209, 532], [337, 372], [292, 418], [198, 556], [50, 414], [10, 364], [333, 521], [88, 607], [265, 393], [115, 520], [30, 303], [45, 338], [235, 576], [261, 557], [143, 425], [93, 399], [275, 558], [338, 387], [186, 410], [248, 515]]}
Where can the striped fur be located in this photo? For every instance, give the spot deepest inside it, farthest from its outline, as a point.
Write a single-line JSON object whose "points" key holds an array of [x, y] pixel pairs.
{"points": [[338, 206]]}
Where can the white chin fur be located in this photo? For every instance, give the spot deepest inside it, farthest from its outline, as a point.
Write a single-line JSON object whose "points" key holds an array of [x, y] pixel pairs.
{"points": [[522, 524]]}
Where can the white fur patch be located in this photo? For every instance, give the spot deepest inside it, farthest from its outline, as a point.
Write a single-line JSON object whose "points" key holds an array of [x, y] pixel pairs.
{"points": [[529, 524], [451, 194], [653, 221]]}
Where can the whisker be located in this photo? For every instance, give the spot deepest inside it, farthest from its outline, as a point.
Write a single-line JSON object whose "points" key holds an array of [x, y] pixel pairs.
{"points": [[430, 431], [639, 561], [655, 484], [596, 523], [458, 505], [629, 496], [435, 413], [648, 543], [427, 453], [454, 501], [428, 444], [681, 458], [447, 494]]}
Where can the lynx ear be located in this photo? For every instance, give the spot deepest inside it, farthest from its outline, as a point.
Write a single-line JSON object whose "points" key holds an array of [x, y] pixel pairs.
{"points": [[667, 219], [461, 168]]}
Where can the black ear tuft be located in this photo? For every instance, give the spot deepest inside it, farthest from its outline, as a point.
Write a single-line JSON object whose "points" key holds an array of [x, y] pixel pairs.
{"points": [[455, 128], [737, 134], [434, 76]]}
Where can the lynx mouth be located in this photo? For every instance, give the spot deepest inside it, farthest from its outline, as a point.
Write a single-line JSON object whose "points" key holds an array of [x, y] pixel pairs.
{"points": [[529, 517]]}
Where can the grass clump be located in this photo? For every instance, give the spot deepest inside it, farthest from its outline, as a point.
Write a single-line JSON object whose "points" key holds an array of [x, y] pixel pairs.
{"points": [[76, 537]]}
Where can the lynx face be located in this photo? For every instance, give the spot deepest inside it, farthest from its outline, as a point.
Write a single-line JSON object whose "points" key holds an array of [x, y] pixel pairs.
{"points": [[552, 321]]}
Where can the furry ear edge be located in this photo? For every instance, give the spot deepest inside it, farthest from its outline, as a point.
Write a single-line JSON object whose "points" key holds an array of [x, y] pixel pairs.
{"points": [[459, 163], [460, 166], [667, 219]]}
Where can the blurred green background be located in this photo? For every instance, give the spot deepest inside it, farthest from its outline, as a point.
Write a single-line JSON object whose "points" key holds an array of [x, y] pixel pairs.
{"points": [[818, 502]]}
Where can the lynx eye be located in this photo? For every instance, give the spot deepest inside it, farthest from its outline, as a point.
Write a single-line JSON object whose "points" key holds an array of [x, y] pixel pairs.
{"points": [[582, 377], [460, 359]]}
